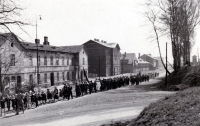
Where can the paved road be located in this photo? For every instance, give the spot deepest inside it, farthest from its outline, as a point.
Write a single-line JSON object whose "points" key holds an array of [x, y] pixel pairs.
{"points": [[98, 108]]}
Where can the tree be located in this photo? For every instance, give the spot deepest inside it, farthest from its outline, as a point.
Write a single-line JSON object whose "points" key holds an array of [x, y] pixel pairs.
{"points": [[176, 19], [10, 19]]}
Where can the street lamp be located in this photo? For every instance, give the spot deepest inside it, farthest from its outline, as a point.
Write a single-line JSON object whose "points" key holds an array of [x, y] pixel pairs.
{"points": [[37, 41]]}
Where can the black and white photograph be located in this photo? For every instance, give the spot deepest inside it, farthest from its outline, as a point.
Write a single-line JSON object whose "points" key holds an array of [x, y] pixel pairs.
{"points": [[99, 63]]}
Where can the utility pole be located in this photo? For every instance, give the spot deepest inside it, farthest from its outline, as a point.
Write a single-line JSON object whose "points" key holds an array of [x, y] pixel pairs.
{"points": [[166, 66], [99, 67], [37, 41]]}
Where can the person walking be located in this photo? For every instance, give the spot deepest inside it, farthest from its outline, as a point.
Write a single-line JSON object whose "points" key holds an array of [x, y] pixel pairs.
{"points": [[20, 105]]}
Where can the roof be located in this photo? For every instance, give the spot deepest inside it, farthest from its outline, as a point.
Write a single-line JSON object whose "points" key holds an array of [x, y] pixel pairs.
{"points": [[149, 56], [73, 49], [130, 57], [33, 46], [109, 45]]}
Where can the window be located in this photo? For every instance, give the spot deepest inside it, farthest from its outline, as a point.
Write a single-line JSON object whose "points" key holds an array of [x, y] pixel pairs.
{"points": [[67, 75], [30, 78], [58, 76], [51, 60], [12, 44], [12, 60], [83, 61], [45, 60], [57, 61], [63, 61], [30, 61], [63, 75], [13, 78], [38, 60], [67, 61], [45, 77]]}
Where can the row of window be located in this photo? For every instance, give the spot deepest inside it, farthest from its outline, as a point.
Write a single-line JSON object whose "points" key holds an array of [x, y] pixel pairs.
{"points": [[12, 60], [51, 61], [45, 77]]}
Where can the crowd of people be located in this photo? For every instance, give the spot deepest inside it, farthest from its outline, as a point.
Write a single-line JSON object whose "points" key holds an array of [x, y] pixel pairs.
{"points": [[31, 99]]}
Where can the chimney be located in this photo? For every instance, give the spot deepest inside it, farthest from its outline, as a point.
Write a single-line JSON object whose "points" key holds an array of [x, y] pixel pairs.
{"points": [[37, 41], [46, 40], [138, 55]]}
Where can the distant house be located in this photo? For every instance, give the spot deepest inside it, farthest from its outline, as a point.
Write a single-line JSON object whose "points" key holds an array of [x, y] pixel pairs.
{"points": [[159, 61], [194, 60], [103, 58], [128, 63], [143, 65], [151, 60]]}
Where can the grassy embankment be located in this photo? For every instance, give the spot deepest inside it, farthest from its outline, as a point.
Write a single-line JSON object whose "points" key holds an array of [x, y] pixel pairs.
{"points": [[180, 109]]}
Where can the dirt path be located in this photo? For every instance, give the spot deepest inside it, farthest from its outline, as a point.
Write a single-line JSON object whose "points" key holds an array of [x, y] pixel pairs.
{"points": [[98, 108]]}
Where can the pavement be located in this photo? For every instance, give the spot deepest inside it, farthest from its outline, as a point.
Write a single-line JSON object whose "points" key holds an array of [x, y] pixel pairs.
{"points": [[91, 110]]}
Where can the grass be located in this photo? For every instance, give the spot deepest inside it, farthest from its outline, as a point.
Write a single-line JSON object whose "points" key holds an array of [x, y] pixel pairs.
{"points": [[180, 109]]}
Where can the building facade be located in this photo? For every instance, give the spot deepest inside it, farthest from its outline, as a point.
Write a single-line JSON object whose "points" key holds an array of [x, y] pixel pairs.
{"points": [[151, 60], [103, 58], [56, 65], [81, 58], [128, 63]]}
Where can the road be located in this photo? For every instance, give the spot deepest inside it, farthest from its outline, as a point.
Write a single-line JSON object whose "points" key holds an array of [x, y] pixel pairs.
{"points": [[90, 110]]}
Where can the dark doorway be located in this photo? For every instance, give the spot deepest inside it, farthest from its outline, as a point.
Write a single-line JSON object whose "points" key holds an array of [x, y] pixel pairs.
{"points": [[18, 83], [52, 79]]}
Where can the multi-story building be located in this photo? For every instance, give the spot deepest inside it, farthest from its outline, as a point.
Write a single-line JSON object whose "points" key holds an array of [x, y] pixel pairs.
{"points": [[103, 58], [81, 58], [56, 65], [128, 61]]}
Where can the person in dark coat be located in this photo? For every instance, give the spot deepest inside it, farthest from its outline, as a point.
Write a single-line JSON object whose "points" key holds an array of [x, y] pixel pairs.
{"points": [[60, 93], [70, 92], [2, 100], [49, 95], [90, 87], [77, 89], [55, 94], [20, 105], [7, 100], [65, 92]]}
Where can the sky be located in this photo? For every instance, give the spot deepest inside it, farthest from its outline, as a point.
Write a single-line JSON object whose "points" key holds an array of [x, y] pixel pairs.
{"points": [[74, 22]]}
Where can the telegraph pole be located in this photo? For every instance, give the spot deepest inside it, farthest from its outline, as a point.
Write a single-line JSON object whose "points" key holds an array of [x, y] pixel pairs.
{"points": [[166, 66], [99, 67]]}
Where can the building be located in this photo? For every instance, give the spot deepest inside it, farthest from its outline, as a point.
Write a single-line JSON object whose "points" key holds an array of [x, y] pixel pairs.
{"points": [[56, 65], [142, 65], [194, 60], [128, 63], [81, 58], [103, 58], [151, 60], [160, 62]]}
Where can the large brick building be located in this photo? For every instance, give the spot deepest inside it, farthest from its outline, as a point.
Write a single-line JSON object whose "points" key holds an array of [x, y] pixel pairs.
{"points": [[56, 64], [103, 58]]}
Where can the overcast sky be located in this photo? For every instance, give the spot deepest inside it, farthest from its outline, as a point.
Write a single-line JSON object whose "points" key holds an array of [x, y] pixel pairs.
{"points": [[74, 22]]}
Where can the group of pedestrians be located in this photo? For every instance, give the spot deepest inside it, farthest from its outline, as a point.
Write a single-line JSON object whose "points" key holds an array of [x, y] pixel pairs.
{"points": [[27, 100]]}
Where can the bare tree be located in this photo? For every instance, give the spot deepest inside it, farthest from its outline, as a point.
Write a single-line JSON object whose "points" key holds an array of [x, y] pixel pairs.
{"points": [[178, 20], [10, 20]]}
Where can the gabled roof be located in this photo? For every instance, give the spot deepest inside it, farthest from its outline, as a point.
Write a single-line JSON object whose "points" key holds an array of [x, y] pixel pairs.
{"points": [[130, 57], [73, 49], [149, 56], [33, 46], [41, 47], [109, 45]]}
